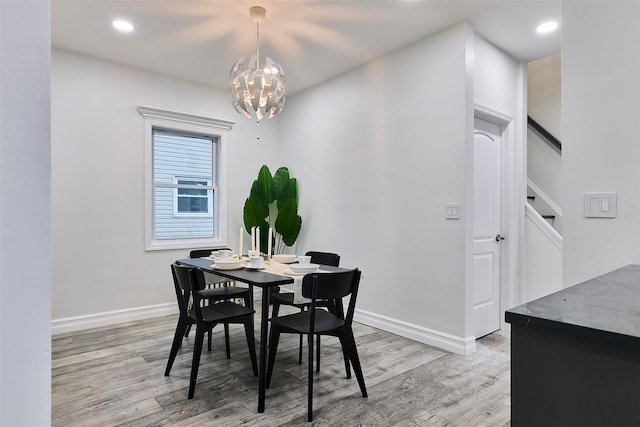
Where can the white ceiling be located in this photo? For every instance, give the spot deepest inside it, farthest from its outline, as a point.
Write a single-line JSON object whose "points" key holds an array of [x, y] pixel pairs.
{"points": [[313, 40]]}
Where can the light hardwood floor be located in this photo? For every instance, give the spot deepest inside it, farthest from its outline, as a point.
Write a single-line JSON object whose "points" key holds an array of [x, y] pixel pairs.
{"points": [[114, 376]]}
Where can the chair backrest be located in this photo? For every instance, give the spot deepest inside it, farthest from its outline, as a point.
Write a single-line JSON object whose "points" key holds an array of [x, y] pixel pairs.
{"points": [[326, 258], [182, 287], [199, 253], [333, 286], [188, 282]]}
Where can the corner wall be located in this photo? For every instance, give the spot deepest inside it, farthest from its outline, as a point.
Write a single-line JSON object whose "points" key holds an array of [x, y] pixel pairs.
{"points": [[25, 214], [601, 134], [379, 151]]}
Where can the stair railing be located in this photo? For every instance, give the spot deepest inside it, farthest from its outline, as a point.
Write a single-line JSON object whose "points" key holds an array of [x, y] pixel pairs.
{"points": [[544, 133]]}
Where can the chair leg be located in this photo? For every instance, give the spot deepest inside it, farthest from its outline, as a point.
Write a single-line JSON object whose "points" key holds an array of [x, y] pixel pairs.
{"points": [[226, 340], [300, 346], [300, 350], [274, 313], [275, 308], [338, 310], [209, 335], [251, 343], [175, 346], [349, 340], [195, 363], [345, 356], [247, 300], [186, 333], [274, 338], [310, 380], [318, 354]]}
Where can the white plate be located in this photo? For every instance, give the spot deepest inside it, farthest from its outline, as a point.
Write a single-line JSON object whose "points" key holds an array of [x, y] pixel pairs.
{"points": [[288, 272], [230, 260], [236, 266], [285, 258], [303, 268], [217, 258]]}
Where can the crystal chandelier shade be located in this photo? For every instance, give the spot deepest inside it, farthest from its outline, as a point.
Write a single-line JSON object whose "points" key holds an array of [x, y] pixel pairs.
{"points": [[257, 85]]}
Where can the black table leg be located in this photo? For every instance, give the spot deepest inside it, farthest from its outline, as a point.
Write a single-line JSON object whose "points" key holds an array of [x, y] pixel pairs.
{"points": [[264, 332]]}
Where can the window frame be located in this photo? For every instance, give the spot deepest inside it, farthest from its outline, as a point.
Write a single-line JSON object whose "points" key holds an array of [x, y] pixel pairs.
{"points": [[216, 129]]}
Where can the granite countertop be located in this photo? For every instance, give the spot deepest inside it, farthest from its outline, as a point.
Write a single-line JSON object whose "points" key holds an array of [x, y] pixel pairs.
{"points": [[604, 309]]}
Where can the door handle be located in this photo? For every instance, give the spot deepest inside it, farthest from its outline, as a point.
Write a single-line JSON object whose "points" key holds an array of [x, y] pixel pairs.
{"points": [[499, 237]]}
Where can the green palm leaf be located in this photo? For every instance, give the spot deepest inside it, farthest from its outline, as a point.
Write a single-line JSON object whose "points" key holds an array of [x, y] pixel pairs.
{"points": [[278, 196], [280, 180], [288, 223]]}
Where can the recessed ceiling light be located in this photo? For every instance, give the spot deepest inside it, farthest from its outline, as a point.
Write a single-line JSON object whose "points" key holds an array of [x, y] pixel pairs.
{"points": [[547, 27], [122, 25]]}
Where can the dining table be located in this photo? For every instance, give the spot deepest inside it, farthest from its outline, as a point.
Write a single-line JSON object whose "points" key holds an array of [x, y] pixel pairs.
{"points": [[273, 274]]}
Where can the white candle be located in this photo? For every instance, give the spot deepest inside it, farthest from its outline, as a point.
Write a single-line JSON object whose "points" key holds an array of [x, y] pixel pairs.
{"points": [[253, 239], [269, 245], [240, 244], [258, 241]]}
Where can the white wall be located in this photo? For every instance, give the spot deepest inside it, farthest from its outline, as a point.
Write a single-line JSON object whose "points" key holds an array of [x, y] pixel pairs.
{"points": [[497, 79], [601, 134], [25, 241], [544, 93], [544, 163], [99, 263], [379, 151]]}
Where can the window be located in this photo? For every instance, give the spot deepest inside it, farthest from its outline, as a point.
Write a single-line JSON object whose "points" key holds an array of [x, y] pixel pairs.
{"points": [[185, 171], [193, 196]]}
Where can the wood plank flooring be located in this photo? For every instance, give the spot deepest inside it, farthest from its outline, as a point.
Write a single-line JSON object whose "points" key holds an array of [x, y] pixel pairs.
{"points": [[114, 376]]}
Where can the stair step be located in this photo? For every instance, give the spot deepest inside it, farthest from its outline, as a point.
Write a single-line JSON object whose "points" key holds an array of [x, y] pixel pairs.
{"points": [[549, 218]]}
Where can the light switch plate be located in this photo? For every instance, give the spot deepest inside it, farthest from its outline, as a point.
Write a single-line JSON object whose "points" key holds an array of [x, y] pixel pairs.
{"points": [[601, 205], [452, 210]]}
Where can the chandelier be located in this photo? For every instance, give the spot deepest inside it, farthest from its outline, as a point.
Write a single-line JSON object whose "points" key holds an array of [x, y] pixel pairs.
{"points": [[257, 87]]}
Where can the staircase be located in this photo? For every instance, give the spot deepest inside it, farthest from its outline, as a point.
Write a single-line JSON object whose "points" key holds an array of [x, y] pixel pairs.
{"points": [[548, 217], [544, 206], [543, 235]]}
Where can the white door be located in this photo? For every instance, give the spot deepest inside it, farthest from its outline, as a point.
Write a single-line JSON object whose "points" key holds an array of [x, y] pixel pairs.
{"points": [[486, 227]]}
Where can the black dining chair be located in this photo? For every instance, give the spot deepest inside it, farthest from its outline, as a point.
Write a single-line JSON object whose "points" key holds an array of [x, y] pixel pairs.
{"points": [[318, 321], [189, 285], [286, 298], [219, 289]]}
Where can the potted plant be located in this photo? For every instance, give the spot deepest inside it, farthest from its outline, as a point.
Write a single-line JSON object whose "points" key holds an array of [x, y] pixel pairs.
{"points": [[273, 202]]}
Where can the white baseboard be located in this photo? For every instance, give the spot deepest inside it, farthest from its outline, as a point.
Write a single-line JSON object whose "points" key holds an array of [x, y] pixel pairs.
{"points": [[77, 323], [454, 344]]}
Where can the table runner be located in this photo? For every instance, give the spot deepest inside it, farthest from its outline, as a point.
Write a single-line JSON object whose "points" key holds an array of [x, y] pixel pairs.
{"points": [[283, 270]]}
